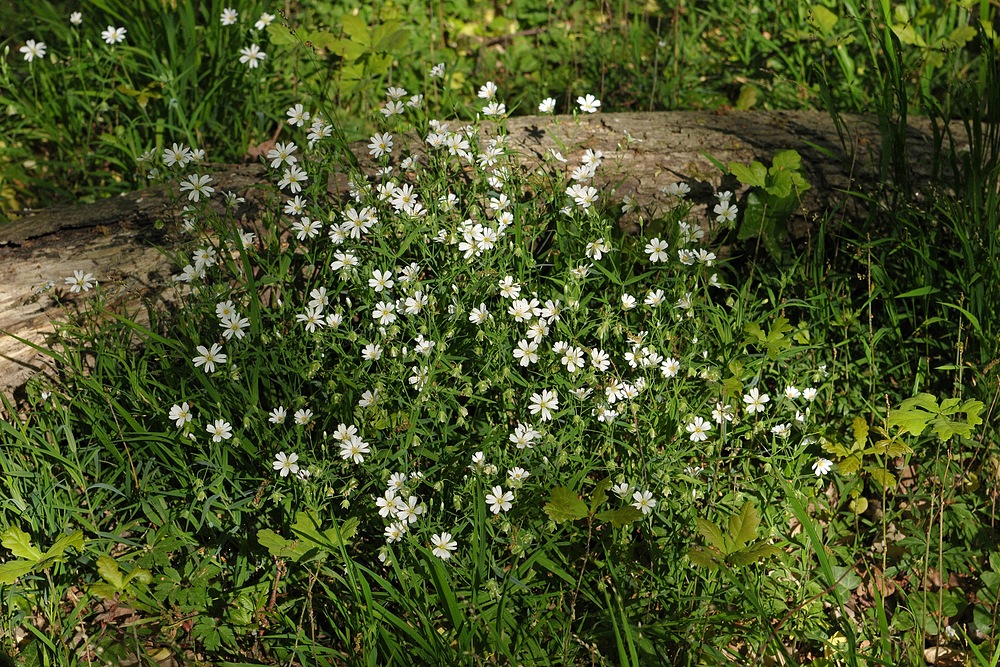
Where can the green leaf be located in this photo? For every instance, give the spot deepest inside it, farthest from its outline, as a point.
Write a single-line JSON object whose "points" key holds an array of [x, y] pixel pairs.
{"points": [[19, 543], [753, 553], [564, 505], [706, 558], [9, 572], [743, 526], [755, 175], [787, 160], [390, 37], [356, 30], [883, 477], [860, 427], [823, 18], [849, 465], [600, 494], [345, 48], [108, 568], [713, 534], [279, 34], [74, 539], [619, 517]]}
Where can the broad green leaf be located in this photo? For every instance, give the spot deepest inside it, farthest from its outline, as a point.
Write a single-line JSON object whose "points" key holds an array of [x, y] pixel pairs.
{"points": [[108, 568], [883, 477], [390, 39], [703, 557], [849, 465], [278, 546], [345, 48], [74, 539], [754, 175], [779, 184], [280, 35], [19, 543], [565, 506], [356, 30], [748, 97], [619, 517], [787, 160], [743, 526], [824, 18], [324, 39], [9, 572], [860, 427], [600, 494], [140, 574], [960, 36], [712, 533], [753, 553]]}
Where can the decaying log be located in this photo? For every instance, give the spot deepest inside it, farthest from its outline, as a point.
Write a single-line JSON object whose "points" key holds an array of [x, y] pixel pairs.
{"points": [[120, 242]]}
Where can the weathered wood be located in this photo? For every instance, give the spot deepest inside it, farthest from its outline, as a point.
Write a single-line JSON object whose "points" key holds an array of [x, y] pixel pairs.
{"points": [[116, 239]]}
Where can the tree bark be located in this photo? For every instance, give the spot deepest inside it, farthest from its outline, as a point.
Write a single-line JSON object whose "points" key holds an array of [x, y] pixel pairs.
{"points": [[122, 243]]}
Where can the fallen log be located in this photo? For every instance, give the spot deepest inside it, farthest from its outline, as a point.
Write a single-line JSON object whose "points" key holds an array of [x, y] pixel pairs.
{"points": [[120, 240]]}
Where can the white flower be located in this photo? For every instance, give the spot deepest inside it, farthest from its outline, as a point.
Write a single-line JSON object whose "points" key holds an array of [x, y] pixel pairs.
{"points": [[372, 352], [80, 281], [181, 414], [293, 177], [220, 430], [755, 401], [623, 490], [781, 430], [381, 280], [229, 16], [670, 367], [509, 289], [657, 250], [264, 21], [499, 500], [33, 49], [588, 104], [76, 18], [381, 144], [443, 545], [209, 358], [479, 315], [488, 91], [596, 249], [792, 392], [177, 154], [303, 416], [252, 56], [544, 403], [198, 186], [386, 503], [437, 71], [572, 359], [384, 312], [809, 393], [283, 153], [298, 116], [518, 474], [677, 189], [113, 35], [285, 464], [698, 429], [822, 466], [277, 416], [526, 352], [725, 212], [234, 326], [548, 105], [354, 448], [628, 302], [409, 511], [600, 360], [643, 501]]}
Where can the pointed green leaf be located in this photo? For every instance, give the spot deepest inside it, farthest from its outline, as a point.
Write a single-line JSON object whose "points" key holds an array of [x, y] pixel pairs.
{"points": [[280, 34], [712, 533], [883, 478], [703, 557], [743, 526], [600, 494], [753, 553], [860, 428], [619, 517], [849, 465], [74, 539], [824, 18], [108, 568], [10, 572], [754, 175], [565, 506], [355, 29], [19, 543], [787, 160]]}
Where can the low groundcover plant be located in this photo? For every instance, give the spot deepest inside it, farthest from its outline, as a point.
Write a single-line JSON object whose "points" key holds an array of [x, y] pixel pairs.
{"points": [[457, 416]]}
